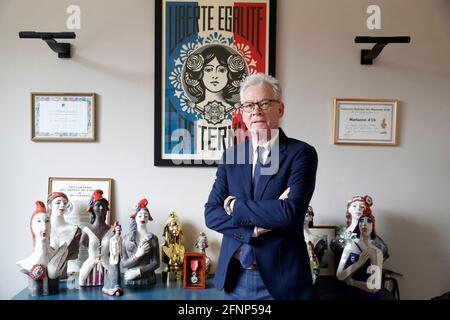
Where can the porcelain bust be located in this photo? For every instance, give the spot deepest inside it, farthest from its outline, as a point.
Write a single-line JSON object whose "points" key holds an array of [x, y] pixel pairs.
{"points": [[46, 264], [361, 262], [96, 237], [201, 244], [356, 207], [63, 232], [141, 249]]}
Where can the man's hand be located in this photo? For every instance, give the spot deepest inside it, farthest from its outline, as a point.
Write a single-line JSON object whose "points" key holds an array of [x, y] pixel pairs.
{"points": [[284, 195], [259, 230], [228, 204]]}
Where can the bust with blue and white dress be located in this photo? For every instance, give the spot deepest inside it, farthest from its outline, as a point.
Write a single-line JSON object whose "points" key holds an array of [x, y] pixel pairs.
{"points": [[140, 248]]}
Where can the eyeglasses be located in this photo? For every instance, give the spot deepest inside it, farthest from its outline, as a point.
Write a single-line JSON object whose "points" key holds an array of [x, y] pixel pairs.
{"points": [[263, 105]]}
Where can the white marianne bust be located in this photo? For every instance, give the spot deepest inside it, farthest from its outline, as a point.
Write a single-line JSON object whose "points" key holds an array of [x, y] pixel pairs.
{"points": [[61, 232], [43, 255]]}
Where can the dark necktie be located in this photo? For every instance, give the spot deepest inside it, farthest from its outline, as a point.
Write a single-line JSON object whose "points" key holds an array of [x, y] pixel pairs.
{"points": [[247, 257]]}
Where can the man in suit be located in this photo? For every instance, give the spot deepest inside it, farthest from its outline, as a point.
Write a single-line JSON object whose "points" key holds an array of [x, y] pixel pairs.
{"points": [[259, 200]]}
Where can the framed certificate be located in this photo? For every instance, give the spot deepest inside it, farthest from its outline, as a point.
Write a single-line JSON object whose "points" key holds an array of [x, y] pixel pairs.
{"points": [[79, 192], [203, 51], [63, 116], [365, 121]]}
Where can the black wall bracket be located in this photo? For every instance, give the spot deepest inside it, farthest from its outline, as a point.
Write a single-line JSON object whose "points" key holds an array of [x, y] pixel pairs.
{"points": [[63, 49], [367, 56]]}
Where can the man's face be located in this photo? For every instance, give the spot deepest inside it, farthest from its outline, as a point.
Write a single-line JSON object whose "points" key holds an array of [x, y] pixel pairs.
{"points": [[262, 120]]}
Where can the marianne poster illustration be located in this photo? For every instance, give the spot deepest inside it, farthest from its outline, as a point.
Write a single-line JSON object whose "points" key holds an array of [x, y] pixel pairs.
{"points": [[204, 49]]}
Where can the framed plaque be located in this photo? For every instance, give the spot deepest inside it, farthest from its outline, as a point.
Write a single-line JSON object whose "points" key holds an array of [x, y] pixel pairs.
{"points": [[203, 51], [63, 116], [365, 122]]}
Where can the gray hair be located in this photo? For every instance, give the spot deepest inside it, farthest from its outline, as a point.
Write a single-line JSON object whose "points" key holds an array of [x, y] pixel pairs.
{"points": [[259, 79]]}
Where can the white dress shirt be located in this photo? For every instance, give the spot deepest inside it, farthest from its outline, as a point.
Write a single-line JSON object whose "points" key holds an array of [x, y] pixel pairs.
{"points": [[265, 149]]}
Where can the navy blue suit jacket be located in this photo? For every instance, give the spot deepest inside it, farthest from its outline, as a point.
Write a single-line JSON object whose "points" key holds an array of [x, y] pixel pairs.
{"points": [[280, 254]]}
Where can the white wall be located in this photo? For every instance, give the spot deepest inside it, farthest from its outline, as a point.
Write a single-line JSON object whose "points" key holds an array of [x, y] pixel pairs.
{"points": [[316, 62]]}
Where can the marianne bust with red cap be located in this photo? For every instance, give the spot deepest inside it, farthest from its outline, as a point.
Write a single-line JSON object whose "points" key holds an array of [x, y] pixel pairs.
{"points": [[45, 265], [96, 237], [141, 249]]}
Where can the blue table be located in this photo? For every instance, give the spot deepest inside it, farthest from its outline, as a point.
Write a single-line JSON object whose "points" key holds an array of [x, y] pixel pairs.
{"points": [[326, 288], [160, 291]]}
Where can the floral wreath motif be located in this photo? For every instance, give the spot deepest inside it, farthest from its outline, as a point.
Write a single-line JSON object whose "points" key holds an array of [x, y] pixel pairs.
{"points": [[187, 105], [236, 63], [175, 78], [187, 49], [195, 62], [38, 272], [366, 199], [217, 38], [215, 112], [244, 50]]}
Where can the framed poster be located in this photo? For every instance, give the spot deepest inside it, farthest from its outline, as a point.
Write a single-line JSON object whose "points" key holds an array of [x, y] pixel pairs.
{"points": [[63, 116], [327, 265], [365, 122], [203, 51], [194, 272]]}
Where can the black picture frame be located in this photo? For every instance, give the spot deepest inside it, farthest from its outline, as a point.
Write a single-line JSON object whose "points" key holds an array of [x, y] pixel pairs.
{"points": [[249, 12]]}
